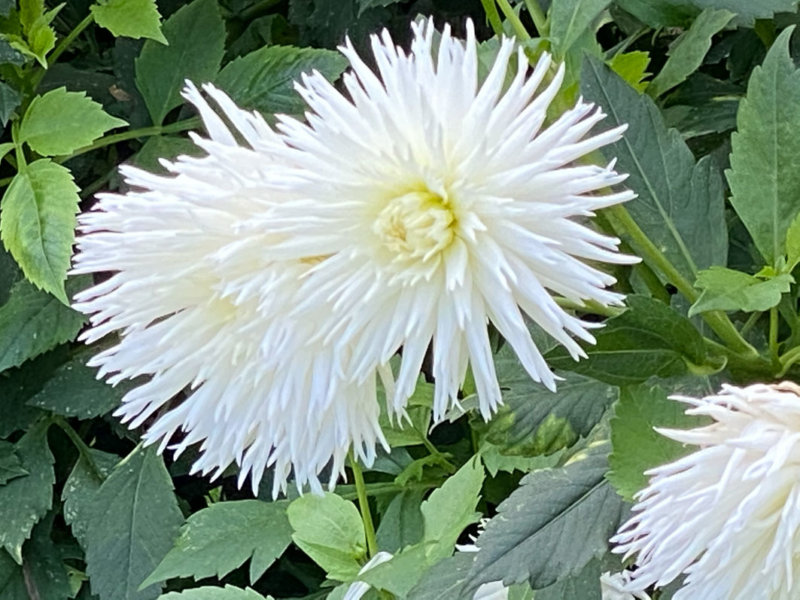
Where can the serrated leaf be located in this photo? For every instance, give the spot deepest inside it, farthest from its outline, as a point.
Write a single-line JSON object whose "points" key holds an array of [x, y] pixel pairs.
{"points": [[534, 420], [264, 80], [632, 67], [218, 539], [687, 52], [38, 223], [584, 585], [329, 529], [25, 500], [402, 524], [73, 390], [446, 579], [569, 19], [80, 488], [130, 18], [32, 322], [60, 122], [764, 176], [551, 526], [136, 520], [10, 464], [215, 593], [727, 289], [636, 445], [196, 37], [676, 197], [18, 385], [9, 101], [648, 339]]}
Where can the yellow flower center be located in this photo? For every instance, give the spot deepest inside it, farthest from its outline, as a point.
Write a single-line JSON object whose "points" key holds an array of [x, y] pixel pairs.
{"points": [[416, 225]]}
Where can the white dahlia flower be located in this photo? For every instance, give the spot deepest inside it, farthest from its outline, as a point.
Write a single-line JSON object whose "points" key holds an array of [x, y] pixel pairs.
{"points": [[201, 308], [726, 516], [442, 203]]}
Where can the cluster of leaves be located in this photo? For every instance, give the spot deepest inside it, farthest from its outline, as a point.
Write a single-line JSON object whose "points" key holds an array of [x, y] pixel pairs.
{"points": [[711, 95]]}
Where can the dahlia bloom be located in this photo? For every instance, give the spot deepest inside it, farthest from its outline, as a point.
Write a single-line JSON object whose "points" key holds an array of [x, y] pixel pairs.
{"points": [[442, 203], [726, 516], [200, 306]]}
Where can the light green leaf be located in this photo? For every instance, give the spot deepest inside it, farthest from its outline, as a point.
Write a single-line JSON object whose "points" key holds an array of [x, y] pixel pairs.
{"points": [[676, 197], [25, 500], [569, 19], [130, 18], [215, 593], [637, 447], [648, 339], [60, 121], [632, 67], [765, 174], [136, 520], [329, 529], [726, 289], [793, 244], [32, 322], [551, 526], [220, 538], [687, 52], [10, 464], [196, 37], [80, 488], [264, 79], [9, 101], [38, 223]]}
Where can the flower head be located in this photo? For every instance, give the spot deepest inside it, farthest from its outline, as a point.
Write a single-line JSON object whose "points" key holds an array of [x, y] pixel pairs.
{"points": [[201, 307], [442, 203], [727, 516]]}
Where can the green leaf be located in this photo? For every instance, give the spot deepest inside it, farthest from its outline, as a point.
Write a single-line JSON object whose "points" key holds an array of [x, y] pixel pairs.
{"points": [[451, 508], [632, 67], [551, 526], [764, 174], [264, 79], [220, 538], [687, 52], [533, 420], [676, 197], [10, 464], [130, 18], [80, 488], [9, 101], [747, 10], [367, 4], [164, 146], [19, 384], [38, 223], [12, 580], [648, 339], [402, 524], [196, 36], [46, 571], [446, 579], [793, 244], [637, 446], [659, 13], [136, 520], [329, 529], [73, 390], [726, 289], [60, 122], [25, 500], [215, 593], [569, 19], [584, 585], [32, 322]]}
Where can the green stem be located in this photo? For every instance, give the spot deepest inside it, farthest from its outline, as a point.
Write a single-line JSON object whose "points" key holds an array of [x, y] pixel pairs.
{"points": [[131, 134], [79, 444], [789, 359], [363, 505], [717, 320], [63, 45], [748, 325], [490, 8], [590, 306], [516, 24], [538, 17], [773, 337]]}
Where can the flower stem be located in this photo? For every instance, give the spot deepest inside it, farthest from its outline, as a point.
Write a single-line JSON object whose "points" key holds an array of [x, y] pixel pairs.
{"points": [[363, 505], [490, 8], [717, 320], [538, 17], [513, 18], [62, 46], [79, 444], [133, 134], [773, 337]]}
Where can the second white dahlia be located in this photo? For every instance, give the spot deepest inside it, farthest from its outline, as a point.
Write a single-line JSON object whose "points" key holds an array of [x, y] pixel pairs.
{"points": [[727, 516], [443, 203]]}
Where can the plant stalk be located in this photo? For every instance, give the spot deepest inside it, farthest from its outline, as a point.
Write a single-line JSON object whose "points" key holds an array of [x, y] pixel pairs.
{"points": [[363, 505]]}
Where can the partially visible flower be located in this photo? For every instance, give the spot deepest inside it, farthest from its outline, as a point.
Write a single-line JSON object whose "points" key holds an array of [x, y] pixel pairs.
{"points": [[442, 203], [727, 516], [200, 306], [614, 586]]}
